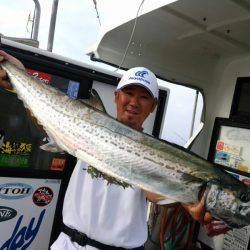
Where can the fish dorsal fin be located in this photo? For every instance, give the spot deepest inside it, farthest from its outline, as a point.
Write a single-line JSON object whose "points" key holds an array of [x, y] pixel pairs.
{"points": [[51, 146], [94, 101]]}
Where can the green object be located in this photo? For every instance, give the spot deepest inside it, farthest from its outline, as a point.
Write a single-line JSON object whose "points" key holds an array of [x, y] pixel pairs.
{"points": [[7, 160], [111, 180]]}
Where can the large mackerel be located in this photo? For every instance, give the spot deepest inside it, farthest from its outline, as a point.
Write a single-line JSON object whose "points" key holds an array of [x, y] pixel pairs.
{"points": [[129, 155]]}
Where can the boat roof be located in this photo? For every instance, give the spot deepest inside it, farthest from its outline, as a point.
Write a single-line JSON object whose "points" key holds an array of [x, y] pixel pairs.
{"points": [[183, 41]]}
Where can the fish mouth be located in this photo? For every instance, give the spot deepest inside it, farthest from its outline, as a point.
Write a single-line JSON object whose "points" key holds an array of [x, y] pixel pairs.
{"points": [[240, 218], [225, 205], [244, 210]]}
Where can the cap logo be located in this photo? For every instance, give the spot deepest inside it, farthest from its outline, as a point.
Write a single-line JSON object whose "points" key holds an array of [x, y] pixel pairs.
{"points": [[141, 73]]}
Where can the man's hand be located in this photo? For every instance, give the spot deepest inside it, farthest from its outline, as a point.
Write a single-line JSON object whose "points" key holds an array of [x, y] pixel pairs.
{"points": [[213, 227], [4, 56], [198, 213], [216, 227]]}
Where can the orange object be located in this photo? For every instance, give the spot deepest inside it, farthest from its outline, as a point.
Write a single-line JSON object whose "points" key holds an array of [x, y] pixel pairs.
{"points": [[58, 164]]}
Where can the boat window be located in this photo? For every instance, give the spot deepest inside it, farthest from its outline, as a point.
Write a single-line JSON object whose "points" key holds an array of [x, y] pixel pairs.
{"points": [[21, 137], [183, 114]]}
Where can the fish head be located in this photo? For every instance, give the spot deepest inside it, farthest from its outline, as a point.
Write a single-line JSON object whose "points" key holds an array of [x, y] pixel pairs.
{"points": [[229, 203]]}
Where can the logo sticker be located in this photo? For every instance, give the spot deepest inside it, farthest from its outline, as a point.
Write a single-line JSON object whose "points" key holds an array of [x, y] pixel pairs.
{"points": [[58, 164], [73, 89], [140, 76], [220, 145], [43, 196], [44, 77], [7, 213], [246, 182], [12, 191], [141, 73]]}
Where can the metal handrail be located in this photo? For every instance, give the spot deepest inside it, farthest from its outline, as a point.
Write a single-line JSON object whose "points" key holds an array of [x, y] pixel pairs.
{"points": [[36, 20], [52, 25]]}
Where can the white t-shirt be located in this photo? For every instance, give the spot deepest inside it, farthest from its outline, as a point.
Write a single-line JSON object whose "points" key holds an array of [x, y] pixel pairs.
{"points": [[106, 213]]}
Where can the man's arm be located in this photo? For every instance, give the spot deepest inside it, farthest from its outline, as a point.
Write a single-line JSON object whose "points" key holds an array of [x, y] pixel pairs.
{"points": [[197, 211], [153, 197]]}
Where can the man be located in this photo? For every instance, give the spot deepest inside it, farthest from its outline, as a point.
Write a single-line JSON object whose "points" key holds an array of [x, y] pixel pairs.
{"points": [[102, 216]]}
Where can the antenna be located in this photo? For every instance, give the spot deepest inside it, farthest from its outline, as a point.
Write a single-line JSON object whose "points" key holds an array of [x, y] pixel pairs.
{"points": [[98, 17], [30, 20]]}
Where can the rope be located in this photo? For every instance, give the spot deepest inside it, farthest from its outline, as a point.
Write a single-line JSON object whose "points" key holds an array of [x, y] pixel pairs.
{"points": [[131, 36]]}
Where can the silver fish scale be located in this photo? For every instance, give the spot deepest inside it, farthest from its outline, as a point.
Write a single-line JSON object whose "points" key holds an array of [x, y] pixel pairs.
{"points": [[99, 142], [52, 97], [80, 130], [129, 155], [128, 163]]}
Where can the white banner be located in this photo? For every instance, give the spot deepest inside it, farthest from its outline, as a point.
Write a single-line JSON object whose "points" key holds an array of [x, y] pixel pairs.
{"points": [[27, 208]]}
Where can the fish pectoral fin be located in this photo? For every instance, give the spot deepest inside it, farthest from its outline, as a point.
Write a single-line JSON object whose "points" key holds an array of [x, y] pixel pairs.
{"points": [[166, 201], [94, 101], [52, 147]]}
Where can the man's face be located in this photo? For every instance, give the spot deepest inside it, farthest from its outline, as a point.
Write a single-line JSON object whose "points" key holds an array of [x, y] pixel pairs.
{"points": [[134, 104]]}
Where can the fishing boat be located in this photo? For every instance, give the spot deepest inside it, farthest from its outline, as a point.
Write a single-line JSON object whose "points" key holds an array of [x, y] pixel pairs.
{"points": [[199, 44]]}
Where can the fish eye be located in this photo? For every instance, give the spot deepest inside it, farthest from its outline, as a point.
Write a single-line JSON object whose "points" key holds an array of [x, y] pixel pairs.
{"points": [[244, 197]]}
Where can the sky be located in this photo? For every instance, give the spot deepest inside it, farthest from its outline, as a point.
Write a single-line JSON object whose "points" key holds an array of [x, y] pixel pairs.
{"points": [[77, 26], [78, 29]]}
